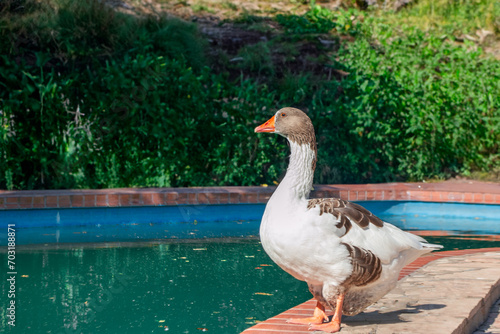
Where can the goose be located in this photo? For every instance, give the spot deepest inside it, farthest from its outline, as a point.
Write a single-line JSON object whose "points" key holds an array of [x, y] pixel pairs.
{"points": [[349, 257]]}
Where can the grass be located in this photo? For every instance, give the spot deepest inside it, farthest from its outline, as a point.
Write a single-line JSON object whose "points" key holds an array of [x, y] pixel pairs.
{"points": [[120, 99], [452, 17]]}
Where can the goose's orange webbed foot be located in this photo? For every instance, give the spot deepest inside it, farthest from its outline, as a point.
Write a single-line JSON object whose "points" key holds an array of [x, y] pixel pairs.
{"points": [[318, 317], [331, 327], [334, 325]]}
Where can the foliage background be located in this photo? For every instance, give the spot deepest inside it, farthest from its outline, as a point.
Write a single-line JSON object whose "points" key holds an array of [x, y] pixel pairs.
{"points": [[93, 97]]}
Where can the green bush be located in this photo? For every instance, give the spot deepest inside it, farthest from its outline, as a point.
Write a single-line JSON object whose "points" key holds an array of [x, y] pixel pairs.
{"points": [[143, 121], [319, 20], [127, 101], [420, 106], [116, 101]]}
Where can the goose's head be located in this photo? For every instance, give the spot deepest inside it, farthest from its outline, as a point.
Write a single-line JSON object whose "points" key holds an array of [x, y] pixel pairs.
{"points": [[296, 126], [291, 123]]}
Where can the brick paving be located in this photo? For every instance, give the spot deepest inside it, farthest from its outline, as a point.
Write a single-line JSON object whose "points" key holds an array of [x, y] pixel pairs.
{"points": [[445, 292]]}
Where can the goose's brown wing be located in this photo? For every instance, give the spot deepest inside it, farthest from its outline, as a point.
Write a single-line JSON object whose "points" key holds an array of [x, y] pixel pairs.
{"points": [[346, 213]]}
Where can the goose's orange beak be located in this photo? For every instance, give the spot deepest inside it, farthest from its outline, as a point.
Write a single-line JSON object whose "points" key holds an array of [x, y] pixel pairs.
{"points": [[267, 126]]}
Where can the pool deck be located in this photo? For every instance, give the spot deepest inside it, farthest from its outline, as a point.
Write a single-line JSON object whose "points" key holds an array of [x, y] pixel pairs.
{"points": [[457, 192], [445, 292]]}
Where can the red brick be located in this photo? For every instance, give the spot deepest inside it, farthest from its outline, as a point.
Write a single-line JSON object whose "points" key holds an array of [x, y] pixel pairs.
{"points": [[306, 308], [12, 200], [468, 197], [431, 233], [192, 198], [203, 198], [389, 195], [124, 200], [51, 201], [89, 201], [478, 198], [182, 198], [455, 196], [171, 198], [281, 327], [2, 202], [436, 196], [344, 194], [333, 194], [497, 199], [38, 202], [64, 201], [147, 199], [361, 196], [421, 196], [213, 198], [135, 199], [489, 198], [370, 195], [224, 198], [252, 198], [243, 198], [113, 200], [234, 198], [353, 195], [76, 201], [26, 202], [158, 198], [379, 195], [402, 195], [319, 194], [264, 197], [101, 200]]}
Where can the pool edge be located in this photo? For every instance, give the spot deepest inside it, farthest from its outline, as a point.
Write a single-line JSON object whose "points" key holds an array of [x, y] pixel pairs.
{"points": [[474, 193], [273, 324]]}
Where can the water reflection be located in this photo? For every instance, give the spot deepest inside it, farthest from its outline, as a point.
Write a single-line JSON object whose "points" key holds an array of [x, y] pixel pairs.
{"points": [[182, 287]]}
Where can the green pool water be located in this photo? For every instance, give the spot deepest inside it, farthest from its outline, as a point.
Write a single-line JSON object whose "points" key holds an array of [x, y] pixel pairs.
{"points": [[219, 286]]}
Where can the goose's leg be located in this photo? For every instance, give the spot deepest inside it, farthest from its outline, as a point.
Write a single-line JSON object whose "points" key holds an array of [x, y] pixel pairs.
{"points": [[318, 317], [334, 325]]}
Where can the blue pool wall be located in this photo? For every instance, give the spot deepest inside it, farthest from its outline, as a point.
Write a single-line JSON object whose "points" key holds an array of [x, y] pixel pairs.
{"points": [[212, 221]]}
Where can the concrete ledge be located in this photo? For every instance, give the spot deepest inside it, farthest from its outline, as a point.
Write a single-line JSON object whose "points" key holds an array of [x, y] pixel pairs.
{"points": [[448, 295]]}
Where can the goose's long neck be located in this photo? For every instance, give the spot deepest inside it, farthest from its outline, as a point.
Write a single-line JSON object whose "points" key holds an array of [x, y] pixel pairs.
{"points": [[299, 176]]}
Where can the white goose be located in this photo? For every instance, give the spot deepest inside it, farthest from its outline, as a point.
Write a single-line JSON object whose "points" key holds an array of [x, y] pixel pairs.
{"points": [[348, 257]]}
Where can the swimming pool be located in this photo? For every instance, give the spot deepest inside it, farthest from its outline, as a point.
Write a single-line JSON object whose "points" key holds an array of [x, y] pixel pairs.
{"points": [[222, 286], [149, 288], [178, 269], [218, 221]]}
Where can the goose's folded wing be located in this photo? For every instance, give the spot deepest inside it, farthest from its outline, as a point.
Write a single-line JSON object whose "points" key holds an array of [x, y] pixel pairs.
{"points": [[356, 226]]}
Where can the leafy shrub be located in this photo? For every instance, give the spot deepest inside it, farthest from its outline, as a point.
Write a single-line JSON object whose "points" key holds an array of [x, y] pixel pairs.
{"points": [[420, 106], [143, 121], [130, 102], [256, 58], [319, 20]]}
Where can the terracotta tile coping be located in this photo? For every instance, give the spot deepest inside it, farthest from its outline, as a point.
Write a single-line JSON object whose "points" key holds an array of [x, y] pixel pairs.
{"points": [[477, 192], [278, 324]]}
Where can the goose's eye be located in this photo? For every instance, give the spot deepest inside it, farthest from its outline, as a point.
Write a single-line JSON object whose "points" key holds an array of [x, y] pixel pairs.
{"points": [[283, 114]]}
